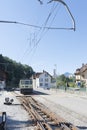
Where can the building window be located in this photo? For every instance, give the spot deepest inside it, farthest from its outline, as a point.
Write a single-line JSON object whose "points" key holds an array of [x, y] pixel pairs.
{"points": [[46, 80], [46, 84], [46, 75], [83, 76], [41, 84], [41, 80]]}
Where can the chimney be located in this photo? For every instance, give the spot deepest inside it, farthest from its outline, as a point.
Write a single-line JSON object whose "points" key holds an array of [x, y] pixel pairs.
{"points": [[82, 64]]}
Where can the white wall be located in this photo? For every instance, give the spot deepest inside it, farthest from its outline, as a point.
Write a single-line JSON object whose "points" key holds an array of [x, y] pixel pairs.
{"points": [[44, 80]]}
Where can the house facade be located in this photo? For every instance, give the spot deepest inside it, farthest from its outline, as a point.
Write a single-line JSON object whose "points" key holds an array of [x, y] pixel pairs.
{"points": [[42, 79], [81, 74]]}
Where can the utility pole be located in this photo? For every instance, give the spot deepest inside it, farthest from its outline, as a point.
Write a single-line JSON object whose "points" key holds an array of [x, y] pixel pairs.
{"points": [[4, 78], [55, 76]]}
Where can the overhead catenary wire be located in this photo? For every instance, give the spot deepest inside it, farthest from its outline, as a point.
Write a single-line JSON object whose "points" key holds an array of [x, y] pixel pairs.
{"points": [[49, 15], [15, 22], [42, 32], [44, 29], [29, 50], [67, 8], [35, 26]]}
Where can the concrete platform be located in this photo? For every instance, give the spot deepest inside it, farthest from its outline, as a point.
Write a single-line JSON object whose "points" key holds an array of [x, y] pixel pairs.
{"points": [[16, 117]]}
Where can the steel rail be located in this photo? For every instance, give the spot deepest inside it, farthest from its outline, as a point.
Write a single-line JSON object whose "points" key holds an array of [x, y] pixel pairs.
{"points": [[38, 120], [42, 117], [58, 120]]}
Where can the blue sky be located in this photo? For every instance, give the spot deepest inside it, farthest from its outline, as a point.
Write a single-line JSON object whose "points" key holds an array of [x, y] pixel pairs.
{"points": [[42, 48]]}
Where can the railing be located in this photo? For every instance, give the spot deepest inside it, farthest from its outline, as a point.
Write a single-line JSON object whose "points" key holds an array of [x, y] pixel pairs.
{"points": [[78, 90]]}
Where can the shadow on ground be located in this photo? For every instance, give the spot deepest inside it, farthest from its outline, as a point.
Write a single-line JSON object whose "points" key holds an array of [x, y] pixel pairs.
{"points": [[16, 124], [39, 93], [35, 93], [82, 127]]}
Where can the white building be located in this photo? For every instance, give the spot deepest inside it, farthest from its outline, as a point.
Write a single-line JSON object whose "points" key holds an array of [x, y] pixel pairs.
{"points": [[42, 79]]}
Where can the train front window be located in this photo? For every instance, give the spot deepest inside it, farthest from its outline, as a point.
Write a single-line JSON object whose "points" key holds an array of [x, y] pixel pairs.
{"points": [[30, 81], [26, 82], [22, 82]]}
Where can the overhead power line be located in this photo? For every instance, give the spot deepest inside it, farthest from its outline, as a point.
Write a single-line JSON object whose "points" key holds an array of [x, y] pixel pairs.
{"points": [[14, 22], [35, 26]]}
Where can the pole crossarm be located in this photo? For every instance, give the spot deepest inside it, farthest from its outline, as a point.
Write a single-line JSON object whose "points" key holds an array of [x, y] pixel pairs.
{"points": [[14, 22], [73, 20]]}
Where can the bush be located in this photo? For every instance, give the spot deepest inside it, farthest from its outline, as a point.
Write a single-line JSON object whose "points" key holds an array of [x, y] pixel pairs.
{"points": [[72, 84]]}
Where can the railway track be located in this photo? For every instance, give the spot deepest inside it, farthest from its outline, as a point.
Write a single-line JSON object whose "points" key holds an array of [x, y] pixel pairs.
{"points": [[42, 117]]}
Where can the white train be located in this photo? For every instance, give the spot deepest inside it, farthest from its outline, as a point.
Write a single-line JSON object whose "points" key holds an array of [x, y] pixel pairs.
{"points": [[26, 86]]}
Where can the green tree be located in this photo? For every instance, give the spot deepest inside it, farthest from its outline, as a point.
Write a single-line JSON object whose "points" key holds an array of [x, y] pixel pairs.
{"points": [[62, 80], [15, 71]]}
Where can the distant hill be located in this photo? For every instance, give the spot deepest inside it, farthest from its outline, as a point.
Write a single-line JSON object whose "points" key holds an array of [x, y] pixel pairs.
{"points": [[67, 74]]}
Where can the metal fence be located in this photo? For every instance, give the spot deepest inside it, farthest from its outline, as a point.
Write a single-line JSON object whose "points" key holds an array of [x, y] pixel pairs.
{"points": [[78, 90]]}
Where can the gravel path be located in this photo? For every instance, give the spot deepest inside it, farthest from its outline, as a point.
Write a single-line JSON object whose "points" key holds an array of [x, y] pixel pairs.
{"points": [[72, 107]]}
